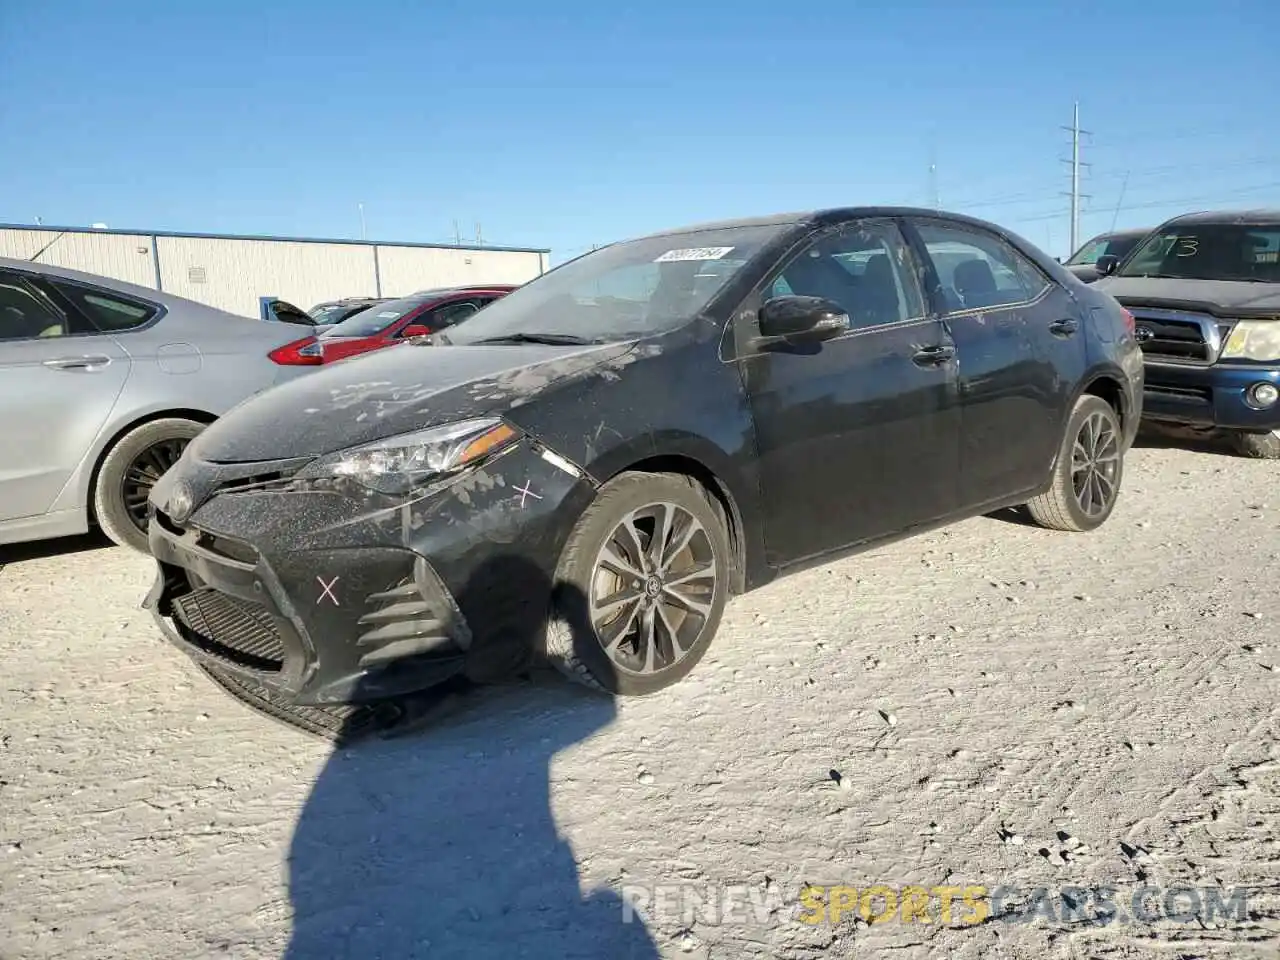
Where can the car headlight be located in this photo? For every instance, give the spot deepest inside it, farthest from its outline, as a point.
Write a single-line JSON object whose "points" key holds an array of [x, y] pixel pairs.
{"points": [[1253, 340], [397, 465]]}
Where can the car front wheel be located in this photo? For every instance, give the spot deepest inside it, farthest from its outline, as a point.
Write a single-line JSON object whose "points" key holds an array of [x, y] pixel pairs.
{"points": [[1086, 477], [641, 585], [129, 471]]}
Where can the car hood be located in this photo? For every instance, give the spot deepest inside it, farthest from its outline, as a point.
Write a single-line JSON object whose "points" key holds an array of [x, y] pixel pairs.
{"points": [[1219, 297], [398, 390]]}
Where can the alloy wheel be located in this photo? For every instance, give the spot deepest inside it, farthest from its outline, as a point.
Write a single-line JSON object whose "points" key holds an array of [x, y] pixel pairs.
{"points": [[1095, 464], [142, 474], [652, 588]]}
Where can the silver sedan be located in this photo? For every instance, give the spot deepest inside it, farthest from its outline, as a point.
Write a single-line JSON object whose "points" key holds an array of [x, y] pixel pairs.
{"points": [[102, 385]]}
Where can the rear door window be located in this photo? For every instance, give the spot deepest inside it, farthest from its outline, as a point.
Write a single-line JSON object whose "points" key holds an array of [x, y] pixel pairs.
{"points": [[977, 270], [25, 315]]}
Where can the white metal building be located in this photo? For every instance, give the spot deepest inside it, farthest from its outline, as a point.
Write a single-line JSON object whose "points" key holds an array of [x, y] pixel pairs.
{"points": [[237, 272]]}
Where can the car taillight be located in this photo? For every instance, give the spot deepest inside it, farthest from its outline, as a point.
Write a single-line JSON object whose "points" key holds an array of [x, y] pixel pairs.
{"points": [[1128, 320], [306, 352]]}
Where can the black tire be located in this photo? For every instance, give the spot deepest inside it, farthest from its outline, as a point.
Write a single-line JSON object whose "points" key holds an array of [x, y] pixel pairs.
{"points": [[1259, 446], [115, 492], [1066, 505], [572, 642]]}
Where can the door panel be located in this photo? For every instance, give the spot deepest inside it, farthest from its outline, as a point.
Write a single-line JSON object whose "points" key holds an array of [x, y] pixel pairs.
{"points": [[996, 304], [57, 389], [858, 435]]}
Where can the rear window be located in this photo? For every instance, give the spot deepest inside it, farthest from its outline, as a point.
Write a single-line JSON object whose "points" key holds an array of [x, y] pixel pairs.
{"points": [[371, 322]]}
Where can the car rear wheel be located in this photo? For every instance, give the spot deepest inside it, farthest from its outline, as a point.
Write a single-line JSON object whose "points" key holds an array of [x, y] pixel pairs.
{"points": [[1260, 446], [641, 585], [1087, 475], [129, 471]]}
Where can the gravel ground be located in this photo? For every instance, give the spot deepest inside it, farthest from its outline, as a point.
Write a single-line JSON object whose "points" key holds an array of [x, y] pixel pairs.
{"points": [[960, 709]]}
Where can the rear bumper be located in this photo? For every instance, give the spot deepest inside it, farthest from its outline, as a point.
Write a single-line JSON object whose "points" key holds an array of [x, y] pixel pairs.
{"points": [[1208, 396]]}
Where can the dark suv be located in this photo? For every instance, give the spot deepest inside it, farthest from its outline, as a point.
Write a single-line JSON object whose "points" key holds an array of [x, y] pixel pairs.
{"points": [[1205, 291], [590, 467]]}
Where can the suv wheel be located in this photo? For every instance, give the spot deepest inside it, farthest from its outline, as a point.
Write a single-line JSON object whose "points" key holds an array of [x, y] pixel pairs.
{"points": [[129, 471], [641, 585], [1260, 446], [1086, 477]]}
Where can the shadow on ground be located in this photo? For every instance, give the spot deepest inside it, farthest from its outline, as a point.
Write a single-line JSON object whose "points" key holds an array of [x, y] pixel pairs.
{"points": [[1149, 438], [441, 842], [59, 547]]}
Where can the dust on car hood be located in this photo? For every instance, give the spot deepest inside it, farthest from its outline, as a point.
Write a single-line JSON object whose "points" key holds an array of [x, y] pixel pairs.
{"points": [[392, 391], [1219, 297]]}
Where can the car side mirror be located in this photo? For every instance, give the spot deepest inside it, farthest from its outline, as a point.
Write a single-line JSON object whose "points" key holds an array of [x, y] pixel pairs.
{"points": [[415, 330], [1107, 264], [806, 319]]}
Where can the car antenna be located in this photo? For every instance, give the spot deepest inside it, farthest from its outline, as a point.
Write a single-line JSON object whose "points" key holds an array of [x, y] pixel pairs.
{"points": [[47, 246]]}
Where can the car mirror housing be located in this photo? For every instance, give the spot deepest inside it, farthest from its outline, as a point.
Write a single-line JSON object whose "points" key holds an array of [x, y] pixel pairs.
{"points": [[797, 318], [415, 330], [1107, 264]]}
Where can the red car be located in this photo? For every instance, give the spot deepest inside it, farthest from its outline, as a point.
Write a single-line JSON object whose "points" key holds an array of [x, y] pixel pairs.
{"points": [[389, 323]]}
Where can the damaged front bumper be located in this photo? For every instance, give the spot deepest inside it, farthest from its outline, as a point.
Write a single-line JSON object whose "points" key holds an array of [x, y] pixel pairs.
{"points": [[327, 593]]}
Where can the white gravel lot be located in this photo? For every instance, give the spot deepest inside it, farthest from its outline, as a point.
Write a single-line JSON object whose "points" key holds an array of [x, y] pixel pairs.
{"points": [[990, 696]]}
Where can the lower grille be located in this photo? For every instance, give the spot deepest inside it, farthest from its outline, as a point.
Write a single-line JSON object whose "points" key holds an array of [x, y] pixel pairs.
{"points": [[1198, 394], [231, 629], [338, 724]]}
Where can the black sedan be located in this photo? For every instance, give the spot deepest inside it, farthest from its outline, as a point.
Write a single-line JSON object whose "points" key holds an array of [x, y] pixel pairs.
{"points": [[592, 466]]}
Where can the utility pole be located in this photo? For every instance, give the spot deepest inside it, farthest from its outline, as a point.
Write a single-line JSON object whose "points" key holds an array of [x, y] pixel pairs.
{"points": [[1075, 175], [362, 230], [457, 235]]}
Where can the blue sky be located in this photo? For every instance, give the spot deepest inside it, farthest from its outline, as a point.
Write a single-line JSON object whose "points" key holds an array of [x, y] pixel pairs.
{"points": [[565, 124]]}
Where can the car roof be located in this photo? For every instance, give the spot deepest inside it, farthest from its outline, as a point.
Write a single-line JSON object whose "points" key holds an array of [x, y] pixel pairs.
{"points": [[825, 216], [168, 300], [1117, 234], [1258, 217]]}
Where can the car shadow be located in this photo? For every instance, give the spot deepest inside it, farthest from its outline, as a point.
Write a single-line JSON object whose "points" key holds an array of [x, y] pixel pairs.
{"points": [[58, 547], [1155, 438], [439, 840]]}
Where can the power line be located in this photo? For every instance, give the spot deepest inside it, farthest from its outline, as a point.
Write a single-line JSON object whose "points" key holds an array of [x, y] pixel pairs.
{"points": [[1208, 198]]}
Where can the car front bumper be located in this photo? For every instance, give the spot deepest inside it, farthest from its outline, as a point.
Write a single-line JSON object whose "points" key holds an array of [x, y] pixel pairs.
{"points": [[323, 593], [1209, 396]]}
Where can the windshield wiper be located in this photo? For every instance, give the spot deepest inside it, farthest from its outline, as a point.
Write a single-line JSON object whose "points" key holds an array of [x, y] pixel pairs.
{"points": [[556, 339]]}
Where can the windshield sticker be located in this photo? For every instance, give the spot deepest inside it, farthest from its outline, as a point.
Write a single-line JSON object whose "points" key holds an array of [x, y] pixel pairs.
{"points": [[693, 253], [388, 315]]}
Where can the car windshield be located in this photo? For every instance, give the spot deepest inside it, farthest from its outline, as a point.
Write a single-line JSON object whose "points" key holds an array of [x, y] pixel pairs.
{"points": [[1100, 246], [622, 291], [1209, 251], [332, 312], [375, 319]]}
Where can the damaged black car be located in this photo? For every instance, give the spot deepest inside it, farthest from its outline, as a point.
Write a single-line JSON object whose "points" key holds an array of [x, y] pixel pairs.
{"points": [[589, 469]]}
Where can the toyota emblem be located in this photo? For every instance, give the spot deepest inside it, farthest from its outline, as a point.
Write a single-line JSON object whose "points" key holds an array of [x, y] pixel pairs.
{"points": [[1143, 334], [181, 500]]}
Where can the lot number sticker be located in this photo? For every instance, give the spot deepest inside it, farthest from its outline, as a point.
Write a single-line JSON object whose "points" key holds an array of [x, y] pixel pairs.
{"points": [[693, 253]]}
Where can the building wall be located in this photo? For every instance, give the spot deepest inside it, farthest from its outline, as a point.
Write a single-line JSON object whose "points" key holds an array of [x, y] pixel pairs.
{"points": [[127, 257], [407, 269], [232, 273]]}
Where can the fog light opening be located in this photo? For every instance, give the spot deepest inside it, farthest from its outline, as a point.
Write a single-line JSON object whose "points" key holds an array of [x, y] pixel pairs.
{"points": [[1263, 395]]}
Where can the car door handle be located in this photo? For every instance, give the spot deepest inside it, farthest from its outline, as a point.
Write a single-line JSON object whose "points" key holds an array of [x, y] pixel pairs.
{"points": [[78, 364], [933, 356], [1065, 327]]}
